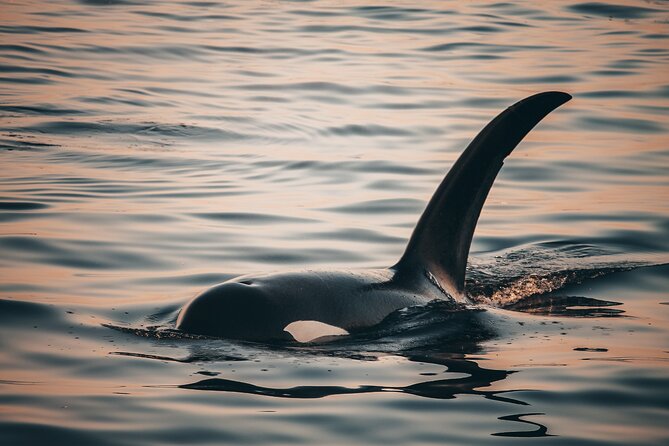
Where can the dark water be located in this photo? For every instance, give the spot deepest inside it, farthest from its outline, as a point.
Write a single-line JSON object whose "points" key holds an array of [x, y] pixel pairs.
{"points": [[150, 150]]}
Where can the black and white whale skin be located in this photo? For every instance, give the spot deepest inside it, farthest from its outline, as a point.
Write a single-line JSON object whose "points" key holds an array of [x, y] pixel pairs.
{"points": [[262, 307]]}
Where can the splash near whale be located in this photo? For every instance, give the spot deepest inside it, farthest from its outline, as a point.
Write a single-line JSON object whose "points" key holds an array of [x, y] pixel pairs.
{"points": [[270, 307]]}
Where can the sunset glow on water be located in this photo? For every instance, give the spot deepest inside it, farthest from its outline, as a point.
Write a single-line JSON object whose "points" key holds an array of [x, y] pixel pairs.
{"points": [[150, 150]]}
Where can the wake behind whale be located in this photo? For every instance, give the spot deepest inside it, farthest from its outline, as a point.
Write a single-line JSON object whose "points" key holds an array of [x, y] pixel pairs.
{"points": [[266, 307]]}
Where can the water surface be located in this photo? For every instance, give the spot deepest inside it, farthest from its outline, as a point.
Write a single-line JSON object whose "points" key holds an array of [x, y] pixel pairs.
{"points": [[152, 149]]}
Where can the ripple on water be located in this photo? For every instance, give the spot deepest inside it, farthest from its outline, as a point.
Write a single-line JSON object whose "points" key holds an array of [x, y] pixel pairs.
{"points": [[388, 206], [115, 128], [21, 206], [250, 218], [78, 254], [611, 10], [621, 125]]}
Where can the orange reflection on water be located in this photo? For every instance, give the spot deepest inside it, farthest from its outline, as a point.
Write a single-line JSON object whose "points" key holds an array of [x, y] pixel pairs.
{"points": [[187, 150]]}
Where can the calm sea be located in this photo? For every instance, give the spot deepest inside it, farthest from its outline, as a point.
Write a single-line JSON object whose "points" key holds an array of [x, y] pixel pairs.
{"points": [[149, 150]]}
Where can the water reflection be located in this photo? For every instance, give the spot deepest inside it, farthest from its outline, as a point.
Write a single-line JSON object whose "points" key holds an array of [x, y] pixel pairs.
{"points": [[474, 383], [573, 306], [540, 431], [477, 378]]}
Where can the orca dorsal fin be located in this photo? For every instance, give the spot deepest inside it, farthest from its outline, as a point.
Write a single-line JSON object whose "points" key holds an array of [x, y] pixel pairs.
{"points": [[441, 240]]}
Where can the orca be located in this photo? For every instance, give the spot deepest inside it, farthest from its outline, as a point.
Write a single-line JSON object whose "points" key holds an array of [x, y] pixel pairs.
{"points": [[263, 308]]}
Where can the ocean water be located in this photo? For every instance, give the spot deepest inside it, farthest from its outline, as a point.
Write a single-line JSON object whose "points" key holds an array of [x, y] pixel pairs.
{"points": [[150, 150]]}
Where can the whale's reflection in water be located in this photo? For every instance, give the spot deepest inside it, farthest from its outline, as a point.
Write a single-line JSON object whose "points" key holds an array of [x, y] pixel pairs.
{"points": [[474, 383], [540, 431], [477, 378]]}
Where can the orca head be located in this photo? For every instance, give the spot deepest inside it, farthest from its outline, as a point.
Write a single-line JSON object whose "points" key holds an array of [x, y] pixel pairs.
{"points": [[239, 309]]}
